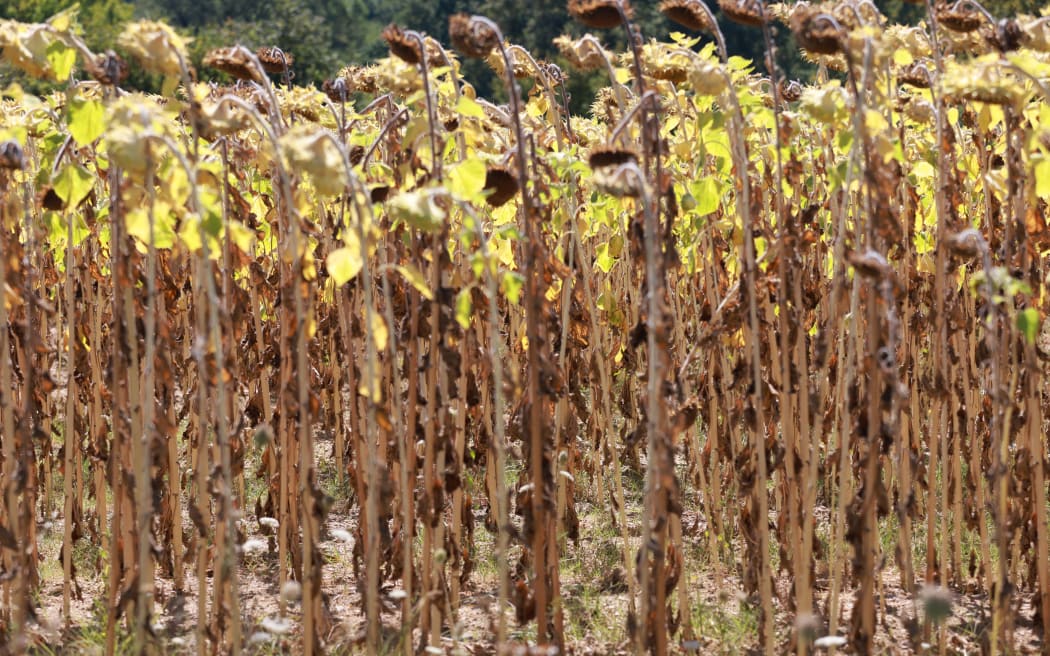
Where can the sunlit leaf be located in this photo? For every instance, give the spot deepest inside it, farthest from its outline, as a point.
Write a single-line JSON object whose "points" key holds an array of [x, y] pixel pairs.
{"points": [[72, 184], [468, 107], [511, 285], [379, 331], [419, 210], [464, 307], [343, 264], [467, 179], [1028, 324], [61, 58], [416, 279], [86, 121]]}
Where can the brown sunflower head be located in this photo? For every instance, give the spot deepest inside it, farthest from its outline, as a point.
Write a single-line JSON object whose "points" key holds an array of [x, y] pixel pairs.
{"points": [[274, 60], [958, 18], [600, 14], [12, 156], [870, 264], [1006, 36], [584, 53], [502, 184], [690, 14], [401, 45], [473, 37], [336, 90], [816, 32], [235, 61], [916, 75], [108, 68], [603, 156], [790, 90], [745, 12], [360, 79]]}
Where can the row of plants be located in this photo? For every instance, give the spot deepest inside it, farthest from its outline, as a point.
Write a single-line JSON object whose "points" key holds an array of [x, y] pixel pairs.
{"points": [[803, 313]]}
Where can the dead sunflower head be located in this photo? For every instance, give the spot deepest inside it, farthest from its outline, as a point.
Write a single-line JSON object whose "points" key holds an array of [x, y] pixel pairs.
{"points": [[401, 45], [745, 12], [12, 156], [274, 60], [816, 31], [502, 184], [1006, 36], [600, 14], [336, 90], [870, 264], [790, 90], [916, 75], [108, 68], [606, 156], [584, 53], [958, 17], [360, 78], [472, 36], [235, 61], [690, 14]]}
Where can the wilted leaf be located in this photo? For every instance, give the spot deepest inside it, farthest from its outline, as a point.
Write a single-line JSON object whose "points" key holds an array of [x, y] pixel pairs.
{"points": [[416, 279]]}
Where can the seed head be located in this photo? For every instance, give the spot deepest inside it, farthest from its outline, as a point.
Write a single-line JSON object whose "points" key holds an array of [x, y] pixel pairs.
{"points": [[233, 61], [916, 75], [502, 184], [401, 45], [790, 90], [603, 156], [1006, 36], [816, 31], [274, 60], [585, 53], [108, 68], [600, 14], [745, 12], [690, 14], [361, 79], [473, 37], [336, 90], [12, 156], [959, 19]]}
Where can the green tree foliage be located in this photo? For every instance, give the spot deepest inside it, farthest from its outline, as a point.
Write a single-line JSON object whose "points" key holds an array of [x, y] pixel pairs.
{"points": [[325, 35]]}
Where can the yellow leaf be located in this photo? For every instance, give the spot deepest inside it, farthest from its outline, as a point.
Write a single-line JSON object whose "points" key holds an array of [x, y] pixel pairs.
{"points": [[416, 279], [467, 107], [379, 331], [344, 263]]}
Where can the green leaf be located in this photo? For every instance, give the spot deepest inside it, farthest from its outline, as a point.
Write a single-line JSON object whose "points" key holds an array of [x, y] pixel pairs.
{"points": [[64, 20], [61, 58], [464, 307], [707, 194], [86, 121], [72, 184], [213, 223], [604, 260], [467, 107], [343, 264], [467, 179], [511, 285], [416, 279], [1028, 324]]}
